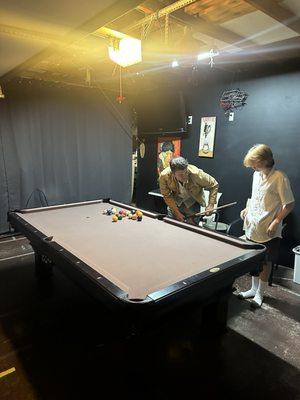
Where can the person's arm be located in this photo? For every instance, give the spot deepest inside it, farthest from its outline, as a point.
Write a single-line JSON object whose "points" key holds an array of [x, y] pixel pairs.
{"points": [[283, 212], [243, 213], [287, 201], [168, 198], [209, 183]]}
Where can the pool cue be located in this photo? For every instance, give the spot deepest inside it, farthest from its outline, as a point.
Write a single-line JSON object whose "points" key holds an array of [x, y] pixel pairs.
{"points": [[215, 209]]}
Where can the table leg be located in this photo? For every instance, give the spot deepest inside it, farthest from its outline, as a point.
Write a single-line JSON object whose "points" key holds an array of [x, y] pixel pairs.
{"points": [[215, 313], [43, 265]]}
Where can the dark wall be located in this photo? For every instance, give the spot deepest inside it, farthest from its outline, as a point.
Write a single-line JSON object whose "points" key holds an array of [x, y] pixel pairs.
{"points": [[271, 116], [146, 178]]}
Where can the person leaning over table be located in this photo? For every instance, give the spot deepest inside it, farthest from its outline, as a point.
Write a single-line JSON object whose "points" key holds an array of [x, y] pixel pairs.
{"points": [[182, 184]]}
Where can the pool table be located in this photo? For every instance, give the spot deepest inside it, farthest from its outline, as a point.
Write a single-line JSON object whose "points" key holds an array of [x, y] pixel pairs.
{"points": [[142, 267]]}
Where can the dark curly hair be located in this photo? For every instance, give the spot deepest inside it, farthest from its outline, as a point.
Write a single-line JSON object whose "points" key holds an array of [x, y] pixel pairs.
{"points": [[167, 146]]}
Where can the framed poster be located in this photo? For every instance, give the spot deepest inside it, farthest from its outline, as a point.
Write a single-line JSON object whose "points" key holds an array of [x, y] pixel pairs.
{"points": [[167, 147], [207, 137]]}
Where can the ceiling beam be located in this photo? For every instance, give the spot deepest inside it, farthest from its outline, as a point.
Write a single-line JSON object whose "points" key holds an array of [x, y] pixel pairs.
{"points": [[104, 17], [198, 24], [277, 12], [29, 34], [177, 5]]}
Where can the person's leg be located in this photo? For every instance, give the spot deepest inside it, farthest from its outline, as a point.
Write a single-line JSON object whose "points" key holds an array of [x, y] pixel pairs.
{"points": [[266, 270], [170, 212], [255, 281], [181, 208], [262, 284], [194, 209], [252, 291], [186, 212], [271, 257]]}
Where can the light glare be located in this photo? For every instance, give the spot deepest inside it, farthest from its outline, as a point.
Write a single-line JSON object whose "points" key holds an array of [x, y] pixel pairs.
{"points": [[128, 53]]}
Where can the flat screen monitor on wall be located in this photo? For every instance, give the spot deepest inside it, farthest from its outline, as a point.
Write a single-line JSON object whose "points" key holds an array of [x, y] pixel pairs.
{"points": [[161, 113]]}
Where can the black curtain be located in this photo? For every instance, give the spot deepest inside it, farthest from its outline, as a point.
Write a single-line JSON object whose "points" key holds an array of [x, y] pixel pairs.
{"points": [[73, 144]]}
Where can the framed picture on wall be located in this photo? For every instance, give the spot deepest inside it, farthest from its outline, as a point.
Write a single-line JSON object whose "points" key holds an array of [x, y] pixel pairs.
{"points": [[167, 147], [207, 137]]}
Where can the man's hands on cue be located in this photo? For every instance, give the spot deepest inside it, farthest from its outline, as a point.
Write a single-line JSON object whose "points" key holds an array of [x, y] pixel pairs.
{"points": [[179, 216], [209, 210]]}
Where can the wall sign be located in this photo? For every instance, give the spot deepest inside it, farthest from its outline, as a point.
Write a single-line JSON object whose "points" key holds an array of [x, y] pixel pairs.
{"points": [[207, 137]]}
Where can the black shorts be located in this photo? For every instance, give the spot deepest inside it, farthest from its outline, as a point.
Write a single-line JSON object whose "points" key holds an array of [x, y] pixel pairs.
{"points": [[272, 251], [271, 254]]}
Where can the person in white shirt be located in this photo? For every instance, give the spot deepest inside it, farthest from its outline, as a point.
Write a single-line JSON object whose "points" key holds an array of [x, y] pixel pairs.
{"points": [[271, 201]]}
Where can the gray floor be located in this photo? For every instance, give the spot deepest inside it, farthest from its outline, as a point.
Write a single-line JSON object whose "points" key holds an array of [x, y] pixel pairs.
{"points": [[276, 326]]}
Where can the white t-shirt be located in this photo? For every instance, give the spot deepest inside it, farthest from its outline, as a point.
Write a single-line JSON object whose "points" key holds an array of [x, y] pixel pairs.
{"points": [[269, 194]]}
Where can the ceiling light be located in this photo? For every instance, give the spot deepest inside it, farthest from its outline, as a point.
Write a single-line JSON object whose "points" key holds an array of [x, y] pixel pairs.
{"points": [[202, 56], [208, 54], [126, 51]]}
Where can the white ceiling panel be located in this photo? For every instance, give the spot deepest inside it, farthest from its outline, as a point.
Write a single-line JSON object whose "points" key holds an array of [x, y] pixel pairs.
{"points": [[259, 28], [211, 42]]}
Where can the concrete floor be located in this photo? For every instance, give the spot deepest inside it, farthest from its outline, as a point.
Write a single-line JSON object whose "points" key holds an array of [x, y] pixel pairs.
{"points": [[276, 326], [63, 345]]}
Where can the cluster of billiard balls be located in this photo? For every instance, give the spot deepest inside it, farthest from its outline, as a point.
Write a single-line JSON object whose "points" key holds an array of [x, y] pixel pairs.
{"points": [[135, 215]]}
